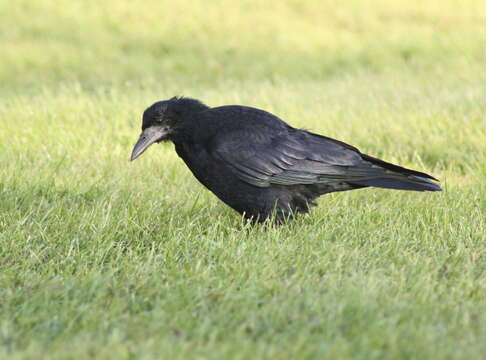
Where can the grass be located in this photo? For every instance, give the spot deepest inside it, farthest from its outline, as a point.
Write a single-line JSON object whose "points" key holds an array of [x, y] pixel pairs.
{"points": [[102, 258]]}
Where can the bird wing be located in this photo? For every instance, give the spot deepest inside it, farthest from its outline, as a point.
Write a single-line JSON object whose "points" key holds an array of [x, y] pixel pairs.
{"points": [[263, 150], [262, 156]]}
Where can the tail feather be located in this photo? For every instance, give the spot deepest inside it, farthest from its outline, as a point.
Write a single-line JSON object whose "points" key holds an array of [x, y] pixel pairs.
{"points": [[396, 168], [399, 178], [411, 182]]}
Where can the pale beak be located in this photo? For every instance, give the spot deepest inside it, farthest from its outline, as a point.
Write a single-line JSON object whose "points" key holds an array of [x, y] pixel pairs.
{"points": [[149, 136]]}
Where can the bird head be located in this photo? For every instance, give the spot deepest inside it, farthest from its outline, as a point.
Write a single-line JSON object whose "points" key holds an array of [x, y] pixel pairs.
{"points": [[163, 120]]}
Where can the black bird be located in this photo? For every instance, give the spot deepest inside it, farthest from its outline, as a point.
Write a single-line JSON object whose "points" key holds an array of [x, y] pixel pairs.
{"points": [[261, 166]]}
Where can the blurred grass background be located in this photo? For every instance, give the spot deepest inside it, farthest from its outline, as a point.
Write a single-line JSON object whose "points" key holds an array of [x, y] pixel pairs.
{"points": [[100, 258], [157, 41]]}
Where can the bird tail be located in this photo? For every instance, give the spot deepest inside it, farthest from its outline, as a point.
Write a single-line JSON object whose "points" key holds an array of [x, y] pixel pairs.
{"points": [[411, 182], [399, 178]]}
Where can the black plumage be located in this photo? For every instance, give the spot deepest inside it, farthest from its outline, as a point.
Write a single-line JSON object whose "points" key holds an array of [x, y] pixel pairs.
{"points": [[261, 166]]}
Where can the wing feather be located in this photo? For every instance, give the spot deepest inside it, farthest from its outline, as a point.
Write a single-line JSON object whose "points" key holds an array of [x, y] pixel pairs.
{"points": [[286, 156], [262, 150]]}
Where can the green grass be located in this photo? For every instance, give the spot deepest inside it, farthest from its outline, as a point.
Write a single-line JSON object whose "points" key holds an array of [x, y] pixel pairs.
{"points": [[102, 258]]}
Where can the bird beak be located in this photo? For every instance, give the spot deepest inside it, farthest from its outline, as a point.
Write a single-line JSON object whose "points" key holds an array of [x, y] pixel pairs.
{"points": [[148, 137]]}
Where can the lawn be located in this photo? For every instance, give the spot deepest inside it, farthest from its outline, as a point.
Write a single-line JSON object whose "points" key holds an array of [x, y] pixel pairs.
{"points": [[107, 259]]}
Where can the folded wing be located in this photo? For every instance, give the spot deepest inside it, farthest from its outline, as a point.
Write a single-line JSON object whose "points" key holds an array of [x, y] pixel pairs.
{"points": [[262, 156]]}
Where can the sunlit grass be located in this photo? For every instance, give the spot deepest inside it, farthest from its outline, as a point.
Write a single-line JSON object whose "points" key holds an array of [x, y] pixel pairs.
{"points": [[103, 258]]}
